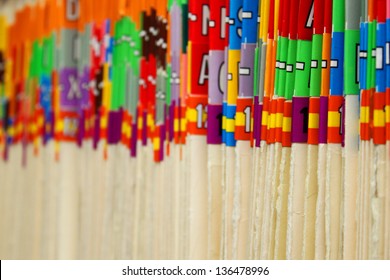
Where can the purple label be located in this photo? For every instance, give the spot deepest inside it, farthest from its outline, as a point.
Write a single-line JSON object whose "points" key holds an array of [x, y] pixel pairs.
{"points": [[175, 77], [171, 120], [114, 127], [84, 88], [133, 140], [343, 124], [81, 129], [162, 141], [300, 119], [144, 129], [96, 131], [217, 84], [246, 70], [257, 117], [70, 91], [214, 124], [323, 122]]}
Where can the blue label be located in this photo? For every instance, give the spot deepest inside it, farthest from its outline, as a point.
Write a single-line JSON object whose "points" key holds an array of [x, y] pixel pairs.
{"points": [[235, 25], [249, 21], [337, 64], [45, 96], [363, 55], [387, 53], [380, 58], [230, 115]]}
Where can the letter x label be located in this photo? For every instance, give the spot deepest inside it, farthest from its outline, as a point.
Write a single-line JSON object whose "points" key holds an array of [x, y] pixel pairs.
{"points": [[74, 90]]}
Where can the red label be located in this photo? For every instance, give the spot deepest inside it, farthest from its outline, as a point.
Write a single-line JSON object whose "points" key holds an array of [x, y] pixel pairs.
{"points": [[279, 120], [198, 21], [335, 119], [365, 134], [70, 121], [305, 19], [265, 118], [287, 117], [244, 115], [379, 119], [196, 112], [217, 24], [199, 67], [314, 117], [272, 122]]}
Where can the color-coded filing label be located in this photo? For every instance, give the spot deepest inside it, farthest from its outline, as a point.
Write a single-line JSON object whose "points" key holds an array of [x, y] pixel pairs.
{"points": [[214, 124], [279, 120], [46, 95], [158, 143], [199, 68], [250, 21], [365, 115], [198, 21], [380, 58], [314, 121], [197, 114], [84, 88], [302, 68], [217, 26], [323, 121], [335, 120], [217, 84], [379, 119], [243, 123], [224, 112], [337, 64], [235, 24], [264, 118], [114, 128], [351, 62], [387, 115], [170, 122], [300, 119], [71, 95], [363, 55], [287, 119], [233, 76], [246, 70], [272, 121], [68, 126], [176, 125], [81, 128], [96, 130], [257, 114], [230, 125]]}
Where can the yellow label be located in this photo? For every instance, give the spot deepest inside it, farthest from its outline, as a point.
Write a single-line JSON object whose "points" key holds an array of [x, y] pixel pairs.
{"points": [[192, 115], [272, 122], [156, 143], [176, 125], [183, 124], [264, 118], [286, 124], [364, 114], [233, 76], [223, 122], [140, 123], [279, 120], [379, 118], [240, 119], [333, 119], [314, 120], [230, 125]]}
